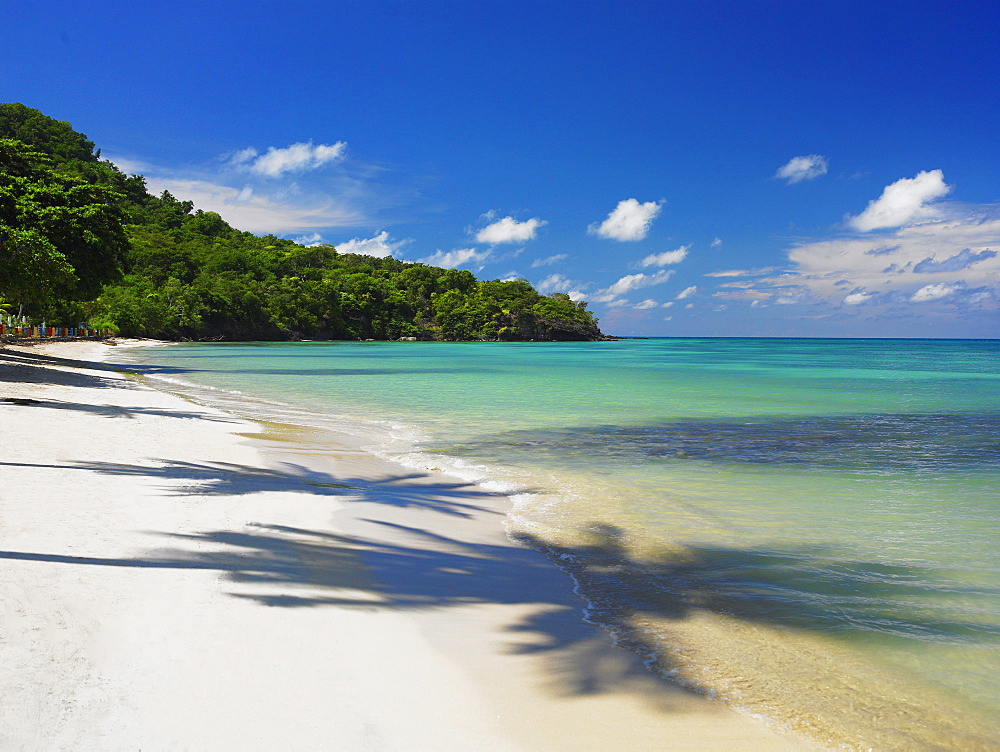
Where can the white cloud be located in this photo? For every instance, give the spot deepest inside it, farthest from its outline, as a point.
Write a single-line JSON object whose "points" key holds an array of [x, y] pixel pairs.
{"points": [[313, 238], [906, 265], [552, 283], [744, 295], [647, 303], [857, 298], [665, 258], [243, 156], [802, 168], [667, 305], [509, 230], [549, 260], [979, 295], [947, 265], [626, 284], [629, 221], [903, 202], [259, 205], [129, 166], [379, 246], [458, 257], [933, 292], [955, 263], [687, 292], [251, 212], [298, 157], [717, 242], [691, 305], [743, 272], [559, 283]]}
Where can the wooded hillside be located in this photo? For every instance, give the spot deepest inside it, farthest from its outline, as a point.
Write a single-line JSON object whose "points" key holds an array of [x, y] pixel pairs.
{"points": [[82, 241]]}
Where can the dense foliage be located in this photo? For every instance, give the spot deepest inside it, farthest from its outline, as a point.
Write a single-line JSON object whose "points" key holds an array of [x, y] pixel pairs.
{"points": [[81, 239], [62, 236]]}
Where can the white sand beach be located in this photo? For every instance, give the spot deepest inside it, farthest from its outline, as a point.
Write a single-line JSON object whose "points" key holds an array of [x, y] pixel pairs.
{"points": [[176, 578]]}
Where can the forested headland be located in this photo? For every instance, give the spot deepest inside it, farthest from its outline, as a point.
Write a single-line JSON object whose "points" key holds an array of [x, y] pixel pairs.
{"points": [[81, 241]]}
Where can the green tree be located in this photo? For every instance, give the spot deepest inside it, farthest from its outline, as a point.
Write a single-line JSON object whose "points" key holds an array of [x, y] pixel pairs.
{"points": [[62, 237], [78, 237], [53, 137]]}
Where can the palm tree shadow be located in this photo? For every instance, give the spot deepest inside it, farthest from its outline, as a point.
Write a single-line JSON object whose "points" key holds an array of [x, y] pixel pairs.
{"points": [[41, 360], [412, 569], [32, 368], [802, 587], [117, 411], [223, 479]]}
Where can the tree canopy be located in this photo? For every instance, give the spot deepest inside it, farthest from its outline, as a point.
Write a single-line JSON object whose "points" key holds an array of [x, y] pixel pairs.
{"points": [[62, 236], [80, 238], [54, 137]]}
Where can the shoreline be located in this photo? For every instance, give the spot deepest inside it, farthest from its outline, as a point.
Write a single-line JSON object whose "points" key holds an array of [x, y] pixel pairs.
{"points": [[218, 584]]}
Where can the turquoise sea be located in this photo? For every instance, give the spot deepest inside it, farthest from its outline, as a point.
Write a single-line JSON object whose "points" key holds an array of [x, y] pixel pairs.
{"points": [[808, 530]]}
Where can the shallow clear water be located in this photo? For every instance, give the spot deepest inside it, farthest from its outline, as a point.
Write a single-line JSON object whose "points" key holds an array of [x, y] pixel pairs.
{"points": [[806, 528]]}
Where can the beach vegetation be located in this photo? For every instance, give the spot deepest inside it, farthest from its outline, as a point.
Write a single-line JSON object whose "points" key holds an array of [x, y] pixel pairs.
{"points": [[81, 239]]}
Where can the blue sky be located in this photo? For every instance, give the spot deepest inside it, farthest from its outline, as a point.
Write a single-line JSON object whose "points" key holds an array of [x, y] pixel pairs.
{"points": [[689, 168]]}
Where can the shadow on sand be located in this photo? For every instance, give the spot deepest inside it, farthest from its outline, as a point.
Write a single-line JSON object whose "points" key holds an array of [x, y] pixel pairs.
{"points": [[40, 361], [35, 368], [411, 568], [208, 479]]}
